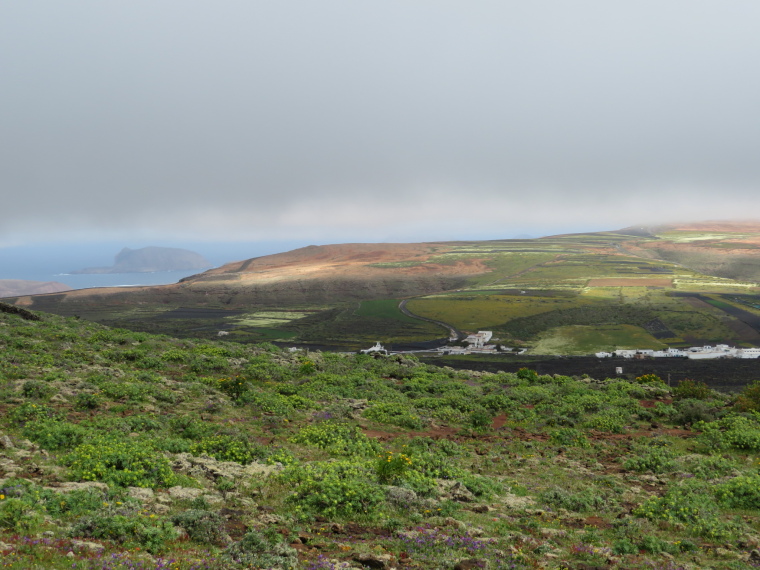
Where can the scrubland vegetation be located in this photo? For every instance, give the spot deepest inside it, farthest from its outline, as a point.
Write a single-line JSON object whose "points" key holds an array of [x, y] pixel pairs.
{"points": [[122, 449]]}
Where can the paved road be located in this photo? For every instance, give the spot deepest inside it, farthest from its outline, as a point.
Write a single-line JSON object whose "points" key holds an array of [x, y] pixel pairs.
{"points": [[453, 332]]}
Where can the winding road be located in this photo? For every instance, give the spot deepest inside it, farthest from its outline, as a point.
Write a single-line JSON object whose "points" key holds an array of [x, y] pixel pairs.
{"points": [[454, 334]]}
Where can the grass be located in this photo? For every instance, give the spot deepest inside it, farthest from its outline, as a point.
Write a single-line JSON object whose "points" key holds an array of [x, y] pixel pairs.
{"points": [[484, 312], [383, 309], [578, 339]]}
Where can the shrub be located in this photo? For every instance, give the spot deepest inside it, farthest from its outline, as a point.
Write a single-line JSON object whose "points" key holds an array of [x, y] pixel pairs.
{"points": [[691, 504], [257, 550], [27, 412], [749, 398], [691, 411], [36, 389], [649, 379], [151, 532], [732, 431], [740, 492], [332, 489], [337, 438], [120, 461], [17, 515], [229, 448], [611, 421], [87, 401], [202, 526], [527, 374], [233, 386], [691, 389], [480, 419], [582, 501], [395, 414], [570, 437], [54, 434], [651, 458], [391, 467]]}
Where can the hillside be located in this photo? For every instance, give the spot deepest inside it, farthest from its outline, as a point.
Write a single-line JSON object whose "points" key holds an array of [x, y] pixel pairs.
{"points": [[126, 450], [570, 294], [151, 259], [14, 287]]}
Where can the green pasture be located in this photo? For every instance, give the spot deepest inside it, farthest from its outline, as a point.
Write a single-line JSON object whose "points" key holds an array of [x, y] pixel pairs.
{"points": [[580, 339], [383, 309], [486, 312]]}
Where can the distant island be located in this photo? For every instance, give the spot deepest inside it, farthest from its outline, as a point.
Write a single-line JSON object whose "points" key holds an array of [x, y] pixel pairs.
{"points": [[150, 260], [15, 287]]}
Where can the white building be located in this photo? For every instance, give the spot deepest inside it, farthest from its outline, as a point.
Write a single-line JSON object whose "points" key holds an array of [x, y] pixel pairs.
{"points": [[376, 349], [479, 339]]}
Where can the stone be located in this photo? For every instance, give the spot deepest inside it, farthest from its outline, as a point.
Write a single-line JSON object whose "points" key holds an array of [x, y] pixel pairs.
{"points": [[85, 545], [5, 547], [78, 486], [184, 493], [379, 561], [141, 494], [6, 442], [400, 496], [514, 502], [471, 564], [552, 532]]}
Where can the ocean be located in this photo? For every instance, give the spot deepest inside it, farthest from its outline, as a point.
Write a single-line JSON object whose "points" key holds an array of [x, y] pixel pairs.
{"points": [[55, 262]]}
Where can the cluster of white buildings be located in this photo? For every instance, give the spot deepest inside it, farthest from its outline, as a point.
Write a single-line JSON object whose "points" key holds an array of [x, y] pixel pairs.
{"points": [[693, 353]]}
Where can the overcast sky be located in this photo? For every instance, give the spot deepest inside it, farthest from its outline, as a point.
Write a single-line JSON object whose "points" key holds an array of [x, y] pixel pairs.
{"points": [[387, 120]]}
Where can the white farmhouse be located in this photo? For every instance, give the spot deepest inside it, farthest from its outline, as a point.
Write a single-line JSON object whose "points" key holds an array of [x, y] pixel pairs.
{"points": [[479, 339]]}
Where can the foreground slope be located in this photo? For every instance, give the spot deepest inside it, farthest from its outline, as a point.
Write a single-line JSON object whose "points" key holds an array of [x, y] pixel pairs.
{"points": [[127, 450]]}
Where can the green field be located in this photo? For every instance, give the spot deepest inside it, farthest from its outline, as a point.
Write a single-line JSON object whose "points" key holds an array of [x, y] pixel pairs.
{"points": [[578, 339]]}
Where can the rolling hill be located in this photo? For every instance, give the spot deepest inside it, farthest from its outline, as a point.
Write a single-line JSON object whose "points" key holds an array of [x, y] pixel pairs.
{"points": [[661, 286]]}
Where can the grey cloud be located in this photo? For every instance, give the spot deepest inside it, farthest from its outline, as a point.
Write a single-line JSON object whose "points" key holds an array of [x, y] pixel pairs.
{"points": [[374, 119]]}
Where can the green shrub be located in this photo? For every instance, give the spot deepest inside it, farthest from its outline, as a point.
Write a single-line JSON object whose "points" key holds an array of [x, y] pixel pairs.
{"points": [[339, 488], [749, 399], [119, 460], [651, 458], [480, 419], [732, 431], [709, 466], [85, 401], [202, 526], [36, 389], [740, 492], [130, 529], [229, 448], [611, 421], [691, 504], [232, 386], [257, 550], [337, 438], [570, 437], [691, 389], [391, 467], [585, 500], [17, 515], [27, 412], [649, 379], [527, 374], [54, 434], [395, 414], [690, 411]]}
